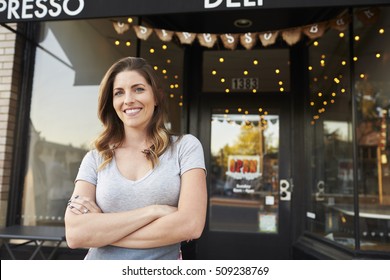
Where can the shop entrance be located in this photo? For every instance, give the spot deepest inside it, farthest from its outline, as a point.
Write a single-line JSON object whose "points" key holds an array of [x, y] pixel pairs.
{"points": [[247, 146]]}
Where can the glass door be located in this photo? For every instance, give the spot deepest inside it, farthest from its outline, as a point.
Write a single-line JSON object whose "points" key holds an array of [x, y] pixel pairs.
{"points": [[246, 142]]}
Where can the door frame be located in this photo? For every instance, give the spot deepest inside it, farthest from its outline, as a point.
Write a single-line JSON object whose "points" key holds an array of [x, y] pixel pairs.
{"points": [[215, 245]]}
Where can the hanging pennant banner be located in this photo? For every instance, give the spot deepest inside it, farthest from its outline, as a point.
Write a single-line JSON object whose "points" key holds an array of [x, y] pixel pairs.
{"points": [[340, 23], [186, 37], [164, 35], [368, 16], [142, 32], [207, 40], [315, 30], [292, 36], [229, 40], [120, 27], [268, 38], [248, 40]]}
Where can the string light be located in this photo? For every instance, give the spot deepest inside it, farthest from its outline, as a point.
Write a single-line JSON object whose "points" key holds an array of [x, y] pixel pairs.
{"points": [[130, 20], [155, 67], [151, 50], [357, 38], [255, 62], [362, 76], [128, 43], [164, 47], [222, 80], [117, 42], [378, 55], [277, 71], [221, 59], [341, 34], [381, 31], [310, 68], [214, 72], [227, 90], [254, 90], [336, 80], [343, 63], [246, 72], [316, 44]]}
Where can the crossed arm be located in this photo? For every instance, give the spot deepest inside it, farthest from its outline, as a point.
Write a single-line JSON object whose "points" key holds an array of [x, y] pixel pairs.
{"points": [[148, 227]]}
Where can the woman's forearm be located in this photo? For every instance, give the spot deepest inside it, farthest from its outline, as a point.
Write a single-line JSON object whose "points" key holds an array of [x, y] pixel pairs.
{"points": [[100, 229]]}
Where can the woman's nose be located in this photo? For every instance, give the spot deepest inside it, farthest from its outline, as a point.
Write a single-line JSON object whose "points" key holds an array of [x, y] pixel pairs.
{"points": [[129, 98]]}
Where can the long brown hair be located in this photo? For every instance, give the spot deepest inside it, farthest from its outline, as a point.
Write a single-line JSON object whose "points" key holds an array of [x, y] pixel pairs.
{"points": [[113, 132]]}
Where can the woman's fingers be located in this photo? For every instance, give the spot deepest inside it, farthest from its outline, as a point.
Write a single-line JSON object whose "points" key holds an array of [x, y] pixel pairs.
{"points": [[82, 205]]}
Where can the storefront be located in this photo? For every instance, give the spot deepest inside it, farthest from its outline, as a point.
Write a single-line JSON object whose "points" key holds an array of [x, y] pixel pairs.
{"points": [[290, 101]]}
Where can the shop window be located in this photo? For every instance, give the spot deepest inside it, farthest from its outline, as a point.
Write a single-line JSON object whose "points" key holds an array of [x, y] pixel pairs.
{"points": [[71, 60], [244, 71], [372, 89], [332, 208]]}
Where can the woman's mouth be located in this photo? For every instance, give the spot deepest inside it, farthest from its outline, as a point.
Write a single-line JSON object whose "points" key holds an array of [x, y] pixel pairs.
{"points": [[132, 111]]}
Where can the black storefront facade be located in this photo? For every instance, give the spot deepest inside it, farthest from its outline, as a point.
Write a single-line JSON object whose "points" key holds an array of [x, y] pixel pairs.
{"points": [[289, 99]]}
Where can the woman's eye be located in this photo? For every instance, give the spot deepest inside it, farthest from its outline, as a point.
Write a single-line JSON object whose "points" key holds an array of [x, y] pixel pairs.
{"points": [[117, 93], [139, 89]]}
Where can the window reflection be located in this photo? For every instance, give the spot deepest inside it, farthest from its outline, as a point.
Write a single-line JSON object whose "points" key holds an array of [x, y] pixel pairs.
{"points": [[244, 172], [331, 212], [373, 104]]}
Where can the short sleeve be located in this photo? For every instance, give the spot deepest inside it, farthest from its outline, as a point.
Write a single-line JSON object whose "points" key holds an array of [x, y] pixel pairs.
{"points": [[190, 154], [88, 168]]}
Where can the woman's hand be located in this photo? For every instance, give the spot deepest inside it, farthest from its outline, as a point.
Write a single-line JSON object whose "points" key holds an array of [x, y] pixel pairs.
{"points": [[83, 205]]}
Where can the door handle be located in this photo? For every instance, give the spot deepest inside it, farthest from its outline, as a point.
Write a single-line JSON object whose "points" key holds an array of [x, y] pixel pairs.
{"points": [[285, 189]]}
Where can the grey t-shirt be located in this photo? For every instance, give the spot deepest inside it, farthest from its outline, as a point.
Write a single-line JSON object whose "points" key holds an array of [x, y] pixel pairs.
{"points": [[115, 193]]}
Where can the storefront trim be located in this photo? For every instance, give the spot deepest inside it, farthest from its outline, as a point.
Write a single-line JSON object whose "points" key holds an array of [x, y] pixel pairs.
{"points": [[44, 10]]}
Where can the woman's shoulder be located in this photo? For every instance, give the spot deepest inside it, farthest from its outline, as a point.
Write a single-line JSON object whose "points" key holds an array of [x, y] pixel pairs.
{"points": [[185, 139], [93, 155]]}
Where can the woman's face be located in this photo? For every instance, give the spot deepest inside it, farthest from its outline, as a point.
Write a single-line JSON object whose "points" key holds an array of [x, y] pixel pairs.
{"points": [[133, 99]]}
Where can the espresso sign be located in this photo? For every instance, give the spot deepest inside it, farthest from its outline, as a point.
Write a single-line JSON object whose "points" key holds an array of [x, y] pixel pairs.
{"points": [[15, 10]]}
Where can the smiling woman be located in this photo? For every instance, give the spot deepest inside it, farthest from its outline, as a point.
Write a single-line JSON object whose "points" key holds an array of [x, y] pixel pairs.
{"points": [[128, 203]]}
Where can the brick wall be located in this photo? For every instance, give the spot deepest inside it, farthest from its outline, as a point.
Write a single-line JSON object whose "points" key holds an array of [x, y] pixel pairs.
{"points": [[10, 65]]}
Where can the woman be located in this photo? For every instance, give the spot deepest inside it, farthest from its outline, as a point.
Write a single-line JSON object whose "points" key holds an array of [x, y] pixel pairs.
{"points": [[141, 191]]}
